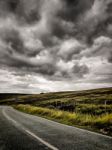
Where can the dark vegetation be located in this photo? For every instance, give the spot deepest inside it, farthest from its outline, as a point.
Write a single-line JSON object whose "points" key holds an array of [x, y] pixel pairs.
{"points": [[9, 95], [90, 109]]}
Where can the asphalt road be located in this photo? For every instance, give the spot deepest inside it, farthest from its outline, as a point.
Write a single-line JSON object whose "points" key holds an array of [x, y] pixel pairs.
{"points": [[20, 131]]}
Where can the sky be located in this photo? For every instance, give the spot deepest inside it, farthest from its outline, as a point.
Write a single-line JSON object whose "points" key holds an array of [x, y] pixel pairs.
{"points": [[55, 45]]}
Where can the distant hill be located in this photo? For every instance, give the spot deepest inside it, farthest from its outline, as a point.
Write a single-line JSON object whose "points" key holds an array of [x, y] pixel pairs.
{"points": [[9, 98], [9, 95], [99, 95]]}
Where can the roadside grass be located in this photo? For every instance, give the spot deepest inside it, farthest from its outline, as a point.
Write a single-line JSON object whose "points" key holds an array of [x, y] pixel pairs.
{"points": [[100, 123], [94, 109], [89, 109]]}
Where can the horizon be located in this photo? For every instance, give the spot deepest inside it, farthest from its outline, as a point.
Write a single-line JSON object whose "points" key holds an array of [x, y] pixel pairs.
{"points": [[55, 45], [61, 91]]}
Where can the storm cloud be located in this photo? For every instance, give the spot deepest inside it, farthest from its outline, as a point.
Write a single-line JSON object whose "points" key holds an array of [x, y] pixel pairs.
{"points": [[62, 44]]}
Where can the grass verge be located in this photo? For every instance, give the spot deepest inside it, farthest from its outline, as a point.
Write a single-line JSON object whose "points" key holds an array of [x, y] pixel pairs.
{"points": [[100, 123]]}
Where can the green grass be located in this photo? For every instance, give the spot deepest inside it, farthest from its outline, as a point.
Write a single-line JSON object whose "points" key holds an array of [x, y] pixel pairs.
{"points": [[97, 96], [94, 109], [91, 109], [101, 123]]}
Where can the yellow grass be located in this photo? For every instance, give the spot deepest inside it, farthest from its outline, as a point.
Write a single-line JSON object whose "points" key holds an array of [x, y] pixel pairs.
{"points": [[96, 122]]}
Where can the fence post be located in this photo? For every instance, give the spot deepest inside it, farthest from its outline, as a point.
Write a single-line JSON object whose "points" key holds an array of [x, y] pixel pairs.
{"points": [[105, 106]]}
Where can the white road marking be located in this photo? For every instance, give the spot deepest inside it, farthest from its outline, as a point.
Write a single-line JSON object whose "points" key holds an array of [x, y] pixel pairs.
{"points": [[28, 132], [42, 141], [64, 125]]}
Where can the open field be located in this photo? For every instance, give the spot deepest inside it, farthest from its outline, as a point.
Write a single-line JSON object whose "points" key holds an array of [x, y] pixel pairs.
{"points": [[91, 109]]}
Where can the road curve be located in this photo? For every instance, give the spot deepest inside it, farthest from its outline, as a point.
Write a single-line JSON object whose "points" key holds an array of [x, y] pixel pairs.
{"points": [[20, 131]]}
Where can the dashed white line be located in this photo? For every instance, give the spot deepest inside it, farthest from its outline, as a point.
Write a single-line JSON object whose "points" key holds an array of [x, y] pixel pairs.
{"points": [[29, 132]]}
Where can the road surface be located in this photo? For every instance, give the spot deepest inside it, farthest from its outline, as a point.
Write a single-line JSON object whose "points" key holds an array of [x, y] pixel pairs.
{"points": [[20, 131]]}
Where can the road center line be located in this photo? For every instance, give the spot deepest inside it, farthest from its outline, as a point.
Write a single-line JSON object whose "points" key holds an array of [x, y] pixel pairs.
{"points": [[28, 132]]}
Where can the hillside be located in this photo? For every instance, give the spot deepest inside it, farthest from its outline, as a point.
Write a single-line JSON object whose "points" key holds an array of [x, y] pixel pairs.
{"points": [[97, 96], [90, 109], [9, 95]]}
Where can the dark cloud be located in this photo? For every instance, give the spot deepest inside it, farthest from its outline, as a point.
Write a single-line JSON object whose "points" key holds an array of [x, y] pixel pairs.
{"points": [[12, 38], [70, 48], [59, 40], [46, 69], [80, 70], [110, 57], [12, 4], [74, 8], [25, 11], [101, 48]]}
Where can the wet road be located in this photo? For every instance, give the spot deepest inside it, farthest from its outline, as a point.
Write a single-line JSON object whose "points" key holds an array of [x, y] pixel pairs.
{"points": [[20, 131]]}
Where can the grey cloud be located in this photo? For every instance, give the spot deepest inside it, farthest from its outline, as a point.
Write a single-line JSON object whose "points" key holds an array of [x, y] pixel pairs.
{"points": [[74, 8], [14, 56], [70, 48], [103, 79], [25, 11], [101, 48], [110, 57], [13, 39], [46, 69], [97, 19], [80, 70], [55, 39], [83, 20]]}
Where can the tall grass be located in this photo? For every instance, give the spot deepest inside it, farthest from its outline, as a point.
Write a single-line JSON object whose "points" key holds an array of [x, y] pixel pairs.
{"points": [[101, 123]]}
